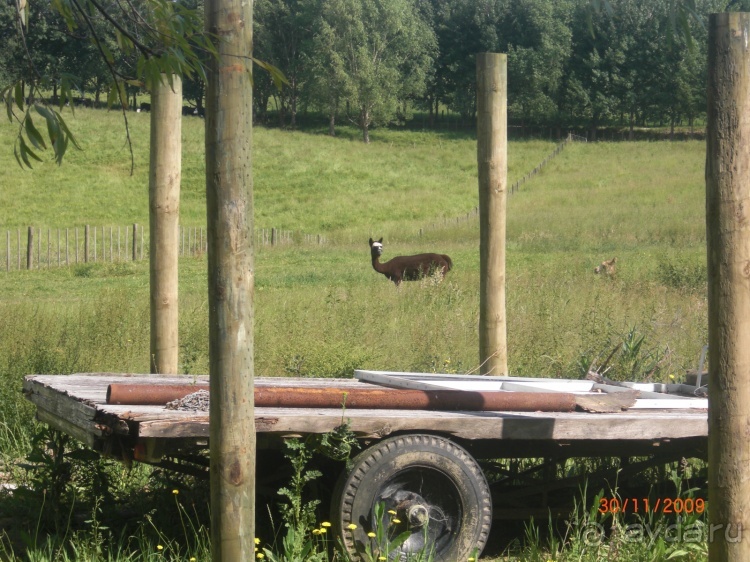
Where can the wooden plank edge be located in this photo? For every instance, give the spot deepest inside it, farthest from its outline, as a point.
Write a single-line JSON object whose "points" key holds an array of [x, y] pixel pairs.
{"points": [[89, 436]]}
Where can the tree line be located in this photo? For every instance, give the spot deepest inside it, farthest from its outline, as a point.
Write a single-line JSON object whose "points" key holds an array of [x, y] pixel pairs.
{"points": [[571, 63]]}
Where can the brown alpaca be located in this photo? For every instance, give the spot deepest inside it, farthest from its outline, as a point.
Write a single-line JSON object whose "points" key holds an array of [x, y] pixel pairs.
{"points": [[408, 268], [607, 267]]}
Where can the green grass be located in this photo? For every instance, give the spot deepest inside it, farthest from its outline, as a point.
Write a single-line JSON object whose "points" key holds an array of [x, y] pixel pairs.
{"points": [[322, 310], [302, 181]]}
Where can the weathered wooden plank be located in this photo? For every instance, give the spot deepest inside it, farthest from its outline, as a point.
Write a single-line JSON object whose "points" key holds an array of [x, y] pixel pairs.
{"points": [[62, 406], [58, 397], [469, 425], [87, 436]]}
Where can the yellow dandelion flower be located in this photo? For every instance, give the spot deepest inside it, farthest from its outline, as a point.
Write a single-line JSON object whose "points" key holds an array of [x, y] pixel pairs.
{"points": [[325, 524], [396, 520], [192, 559], [382, 558], [323, 529], [351, 526], [175, 492], [260, 556], [159, 547], [316, 531], [257, 540], [671, 377], [371, 535], [392, 512]]}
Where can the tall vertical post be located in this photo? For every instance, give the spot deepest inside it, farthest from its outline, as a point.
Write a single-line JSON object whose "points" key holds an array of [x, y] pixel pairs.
{"points": [[231, 279], [728, 257], [492, 162], [135, 241], [30, 248], [164, 212]]}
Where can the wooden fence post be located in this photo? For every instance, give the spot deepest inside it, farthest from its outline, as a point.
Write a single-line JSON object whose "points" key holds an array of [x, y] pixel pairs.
{"points": [[135, 242], [728, 261], [492, 161], [30, 248], [164, 227], [231, 280], [86, 244]]}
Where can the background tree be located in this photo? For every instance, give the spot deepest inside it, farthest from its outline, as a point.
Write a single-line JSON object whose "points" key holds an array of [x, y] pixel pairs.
{"points": [[162, 36], [537, 36], [464, 28], [284, 34], [375, 43], [327, 82]]}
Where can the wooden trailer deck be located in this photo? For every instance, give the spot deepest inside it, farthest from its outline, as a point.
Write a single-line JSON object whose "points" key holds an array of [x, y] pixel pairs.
{"points": [[76, 404]]}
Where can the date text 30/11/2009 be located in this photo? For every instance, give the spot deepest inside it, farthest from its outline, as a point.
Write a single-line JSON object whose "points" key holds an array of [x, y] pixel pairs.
{"points": [[657, 505]]}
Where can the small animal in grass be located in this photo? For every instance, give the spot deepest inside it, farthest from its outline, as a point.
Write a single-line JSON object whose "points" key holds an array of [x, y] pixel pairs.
{"points": [[409, 268], [607, 267]]}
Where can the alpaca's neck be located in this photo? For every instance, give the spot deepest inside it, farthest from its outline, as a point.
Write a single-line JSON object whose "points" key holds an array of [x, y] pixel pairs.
{"points": [[376, 265]]}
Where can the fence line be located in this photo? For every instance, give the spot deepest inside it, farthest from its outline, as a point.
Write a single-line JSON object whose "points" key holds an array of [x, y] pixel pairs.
{"points": [[63, 247], [474, 213]]}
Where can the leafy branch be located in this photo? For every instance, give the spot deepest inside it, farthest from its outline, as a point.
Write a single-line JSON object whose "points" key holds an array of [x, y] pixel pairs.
{"points": [[167, 38]]}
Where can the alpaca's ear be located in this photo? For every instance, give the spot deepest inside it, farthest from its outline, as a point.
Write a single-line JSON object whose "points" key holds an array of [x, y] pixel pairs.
{"points": [[370, 241], [380, 241]]}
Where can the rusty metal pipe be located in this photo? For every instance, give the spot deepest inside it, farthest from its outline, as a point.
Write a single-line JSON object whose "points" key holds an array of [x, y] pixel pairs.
{"points": [[361, 398], [149, 394]]}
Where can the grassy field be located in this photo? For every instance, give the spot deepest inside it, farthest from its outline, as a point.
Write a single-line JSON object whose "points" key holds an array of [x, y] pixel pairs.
{"points": [[322, 310]]}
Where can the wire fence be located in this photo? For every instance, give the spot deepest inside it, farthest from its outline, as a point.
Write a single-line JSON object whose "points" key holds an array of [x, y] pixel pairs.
{"points": [[514, 187], [38, 248]]}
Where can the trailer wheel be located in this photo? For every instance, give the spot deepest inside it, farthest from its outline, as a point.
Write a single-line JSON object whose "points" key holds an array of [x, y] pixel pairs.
{"points": [[437, 490]]}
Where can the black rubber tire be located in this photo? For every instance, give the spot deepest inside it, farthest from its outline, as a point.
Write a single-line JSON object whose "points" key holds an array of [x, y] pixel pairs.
{"points": [[422, 478]]}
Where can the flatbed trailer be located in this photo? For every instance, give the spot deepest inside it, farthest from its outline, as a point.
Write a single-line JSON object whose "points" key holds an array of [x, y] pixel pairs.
{"points": [[429, 465]]}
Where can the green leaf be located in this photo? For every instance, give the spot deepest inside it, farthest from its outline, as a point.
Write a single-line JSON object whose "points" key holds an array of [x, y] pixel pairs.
{"points": [[396, 542], [8, 98], [63, 148], [68, 134], [112, 96], [276, 75], [107, 53], [33, 134], [19, 95], [25, 153], [18, 158]]}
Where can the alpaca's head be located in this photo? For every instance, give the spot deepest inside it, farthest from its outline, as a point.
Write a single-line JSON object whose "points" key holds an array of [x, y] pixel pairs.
{"points": [[376, 248]]}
